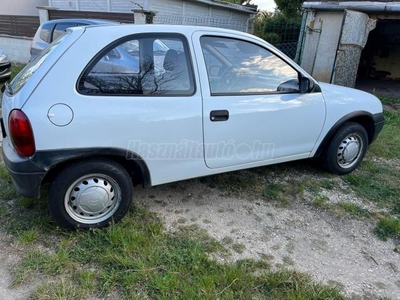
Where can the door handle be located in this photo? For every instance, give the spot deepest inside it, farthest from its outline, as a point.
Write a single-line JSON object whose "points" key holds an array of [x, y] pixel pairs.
{"points": [[219, 115]]}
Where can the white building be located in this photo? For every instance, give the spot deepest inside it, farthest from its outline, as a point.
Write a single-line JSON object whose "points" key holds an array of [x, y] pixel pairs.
{"points": [[21, 7]]}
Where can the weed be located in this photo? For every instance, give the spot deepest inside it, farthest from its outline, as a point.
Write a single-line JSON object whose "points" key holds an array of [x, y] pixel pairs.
{"points": [[378, 183], [321, 201], [388, 228], [239, 248], [29, 236], [273, 191], [353, 209]]}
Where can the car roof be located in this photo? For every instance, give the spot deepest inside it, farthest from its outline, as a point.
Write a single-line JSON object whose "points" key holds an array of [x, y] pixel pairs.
{"points": [[83, 21], [148, 28]]}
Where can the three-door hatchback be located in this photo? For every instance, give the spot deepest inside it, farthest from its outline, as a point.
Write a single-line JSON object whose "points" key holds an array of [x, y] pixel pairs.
{"points": [[106, 107]]}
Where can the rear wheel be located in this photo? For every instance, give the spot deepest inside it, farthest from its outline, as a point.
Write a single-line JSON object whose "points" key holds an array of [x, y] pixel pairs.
{"points": [[346, 149], [90, 194]]}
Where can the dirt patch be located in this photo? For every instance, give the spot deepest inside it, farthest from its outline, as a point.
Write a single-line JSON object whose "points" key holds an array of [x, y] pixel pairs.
{"points": [[336, 250]]}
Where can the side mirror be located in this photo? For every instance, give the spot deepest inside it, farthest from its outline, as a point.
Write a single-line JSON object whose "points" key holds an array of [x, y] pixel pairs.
{"points": [[304, 85]]}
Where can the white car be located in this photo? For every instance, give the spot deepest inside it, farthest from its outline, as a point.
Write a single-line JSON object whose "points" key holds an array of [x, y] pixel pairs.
{"points": [[93, 125]]}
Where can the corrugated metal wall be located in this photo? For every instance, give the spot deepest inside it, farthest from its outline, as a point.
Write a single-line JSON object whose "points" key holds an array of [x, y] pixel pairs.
{"points": [[167, 11], [63, 4], [192, 8], [170, 7], [221, 12], [90, 5], [126, 6]]}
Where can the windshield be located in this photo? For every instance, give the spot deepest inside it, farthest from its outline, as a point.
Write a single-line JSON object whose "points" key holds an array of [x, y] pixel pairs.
{"points": [[26, 73]]}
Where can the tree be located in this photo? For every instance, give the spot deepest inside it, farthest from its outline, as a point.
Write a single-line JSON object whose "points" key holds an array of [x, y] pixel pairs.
{"points": [[279, 30], [290, 8]]}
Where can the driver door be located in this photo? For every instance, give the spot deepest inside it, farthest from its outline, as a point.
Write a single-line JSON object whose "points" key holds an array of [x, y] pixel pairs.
{"points": [[253, 111]]}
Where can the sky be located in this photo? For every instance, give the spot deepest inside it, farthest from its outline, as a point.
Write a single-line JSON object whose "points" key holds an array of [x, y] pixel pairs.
{"points": [[264, 4]]}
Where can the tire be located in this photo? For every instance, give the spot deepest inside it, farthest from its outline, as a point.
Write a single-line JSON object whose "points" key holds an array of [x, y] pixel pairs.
{"points": [[90, 194], [346, 150]]}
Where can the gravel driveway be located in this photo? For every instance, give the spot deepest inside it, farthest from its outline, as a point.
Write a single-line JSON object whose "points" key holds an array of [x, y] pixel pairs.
{"points": [[339, 250]]}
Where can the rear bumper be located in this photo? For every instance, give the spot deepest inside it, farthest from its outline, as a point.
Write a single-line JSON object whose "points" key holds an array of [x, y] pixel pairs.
{"points": [[26, 176]]}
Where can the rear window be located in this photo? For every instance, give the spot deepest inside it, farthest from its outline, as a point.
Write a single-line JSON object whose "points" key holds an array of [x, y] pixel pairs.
{"points": [[26, 73]]}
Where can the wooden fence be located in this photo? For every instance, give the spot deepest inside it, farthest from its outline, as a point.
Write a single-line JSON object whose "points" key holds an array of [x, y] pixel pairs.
{"points": [[19, 25], [73, 14]]}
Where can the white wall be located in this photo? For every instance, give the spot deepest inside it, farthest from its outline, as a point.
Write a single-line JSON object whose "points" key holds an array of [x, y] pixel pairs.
{"points": [[120, 6], [17, 49], [21, 7]]}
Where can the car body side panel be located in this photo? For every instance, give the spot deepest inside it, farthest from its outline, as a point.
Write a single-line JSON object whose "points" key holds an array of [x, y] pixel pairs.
{"points": [[260, 127], [342, 102], [165, 131], [17, 101]]}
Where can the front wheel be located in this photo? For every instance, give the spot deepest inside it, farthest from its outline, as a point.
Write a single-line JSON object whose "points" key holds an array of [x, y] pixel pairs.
{"points": [[346, 149], [90, 194]]}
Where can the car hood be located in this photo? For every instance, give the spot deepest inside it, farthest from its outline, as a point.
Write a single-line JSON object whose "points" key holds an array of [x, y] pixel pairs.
{"points": [[352, 98]]}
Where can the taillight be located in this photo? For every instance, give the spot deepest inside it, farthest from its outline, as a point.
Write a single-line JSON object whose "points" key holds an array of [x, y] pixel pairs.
{"points": [[21, 133]]}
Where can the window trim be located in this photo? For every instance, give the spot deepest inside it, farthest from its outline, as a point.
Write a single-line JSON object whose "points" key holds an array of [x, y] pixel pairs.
{"points": [[155, 35], [235, 94]]}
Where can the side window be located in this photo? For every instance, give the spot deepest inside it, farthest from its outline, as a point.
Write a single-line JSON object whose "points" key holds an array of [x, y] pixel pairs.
{"points": [[148, 65], [60, 29], [45, 32], [240, 67]]}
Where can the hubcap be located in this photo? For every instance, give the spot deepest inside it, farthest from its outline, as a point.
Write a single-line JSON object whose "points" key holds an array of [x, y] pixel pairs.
{"points": [[92, 198], [349, 151]]}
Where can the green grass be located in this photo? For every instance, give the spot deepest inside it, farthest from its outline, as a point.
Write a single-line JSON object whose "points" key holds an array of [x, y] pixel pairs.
{"points": [[387, 144], [388, 227], [15, 69], [390, 100], [352, 209], [136, 259], [378, 182]]}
